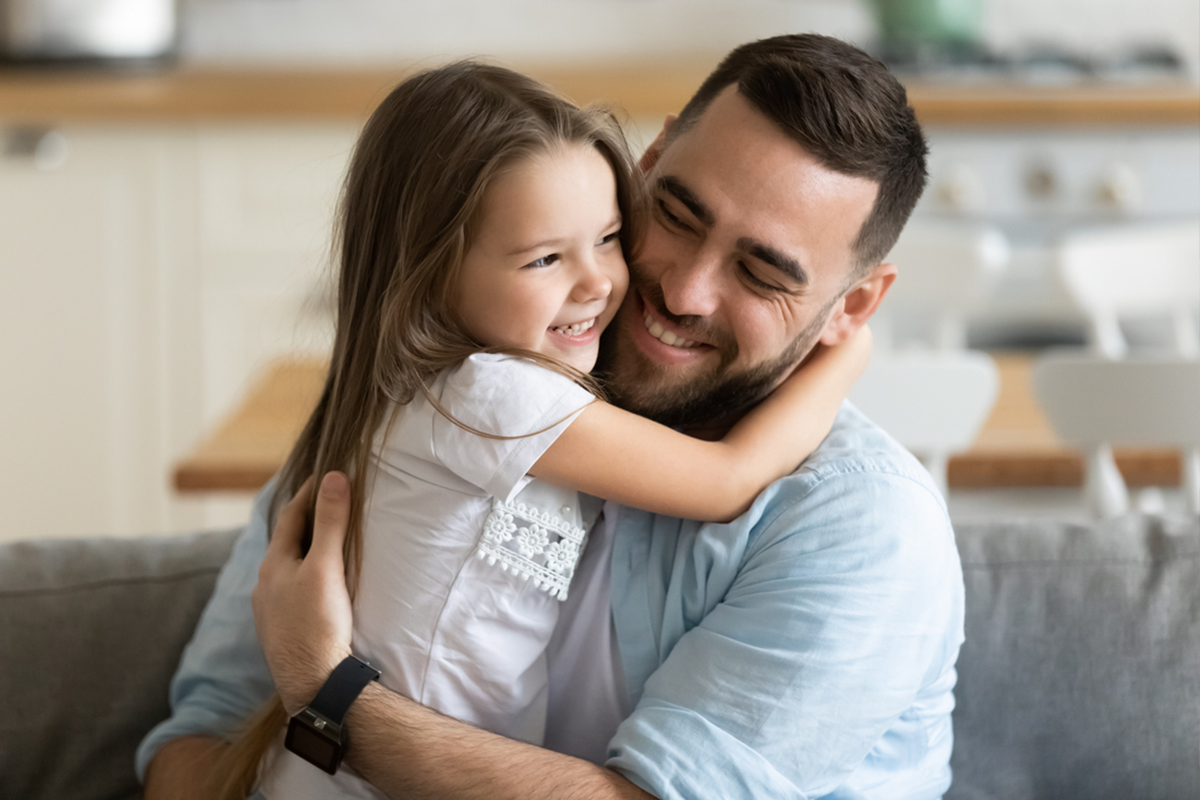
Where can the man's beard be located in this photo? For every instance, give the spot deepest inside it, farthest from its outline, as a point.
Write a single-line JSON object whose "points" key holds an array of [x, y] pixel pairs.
{"points": [[717, 397]]}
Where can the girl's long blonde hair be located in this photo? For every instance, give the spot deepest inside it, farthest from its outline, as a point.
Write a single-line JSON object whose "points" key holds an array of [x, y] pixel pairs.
{"points": [[409, 208]]}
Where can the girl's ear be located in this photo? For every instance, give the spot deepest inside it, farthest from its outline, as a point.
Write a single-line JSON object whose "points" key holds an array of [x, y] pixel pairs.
{"points": [[650, 157], [858, 305]]}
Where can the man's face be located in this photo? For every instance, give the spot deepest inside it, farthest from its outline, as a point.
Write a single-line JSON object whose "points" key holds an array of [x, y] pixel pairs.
{"points": [[742, 270]]}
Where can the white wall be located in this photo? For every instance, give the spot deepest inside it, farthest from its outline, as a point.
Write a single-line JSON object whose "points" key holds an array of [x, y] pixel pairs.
{"points": [[364, 31], [372, 31]]}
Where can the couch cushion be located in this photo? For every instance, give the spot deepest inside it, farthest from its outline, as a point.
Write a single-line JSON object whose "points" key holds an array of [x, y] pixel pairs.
{"points": [[1080, 673], [91, 631]]}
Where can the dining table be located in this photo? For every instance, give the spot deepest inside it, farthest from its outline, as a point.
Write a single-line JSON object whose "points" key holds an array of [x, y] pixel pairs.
{"points": [[1016, 447]]}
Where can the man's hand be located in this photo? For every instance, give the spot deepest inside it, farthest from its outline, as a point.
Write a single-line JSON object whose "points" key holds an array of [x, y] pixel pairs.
{"points": [[301, 605]]}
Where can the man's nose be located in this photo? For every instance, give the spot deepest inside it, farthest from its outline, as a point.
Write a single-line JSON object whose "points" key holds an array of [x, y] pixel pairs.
{"points": [[691, 287]]}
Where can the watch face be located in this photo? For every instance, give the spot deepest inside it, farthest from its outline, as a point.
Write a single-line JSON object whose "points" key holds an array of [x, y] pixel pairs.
{"points": [[316, 747]]}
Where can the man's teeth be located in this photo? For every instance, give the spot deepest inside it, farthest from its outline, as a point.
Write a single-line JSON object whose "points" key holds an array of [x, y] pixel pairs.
{"points": [[576, 329], [665, 336]]}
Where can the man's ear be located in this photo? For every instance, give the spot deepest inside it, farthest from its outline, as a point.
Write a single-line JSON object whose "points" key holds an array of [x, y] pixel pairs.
{"points": [[650, 157], [858, 305]]}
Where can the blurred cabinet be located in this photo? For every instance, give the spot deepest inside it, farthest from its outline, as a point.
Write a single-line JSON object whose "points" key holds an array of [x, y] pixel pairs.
{"points": [[1056, 177], [1037, 184], [145, 274], [266, 201], [88, 330]]}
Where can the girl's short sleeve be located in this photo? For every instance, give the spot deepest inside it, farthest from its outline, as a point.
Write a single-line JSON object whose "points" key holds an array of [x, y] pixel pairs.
{"points": [[505, 396]]}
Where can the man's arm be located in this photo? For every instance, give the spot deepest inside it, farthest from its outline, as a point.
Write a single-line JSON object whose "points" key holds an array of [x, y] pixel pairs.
{"points": [[410, 751], [222, 677], [303, 614]]}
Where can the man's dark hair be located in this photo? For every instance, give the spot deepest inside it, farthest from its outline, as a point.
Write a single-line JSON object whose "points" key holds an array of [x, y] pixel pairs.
{"points": [[844, 108]]}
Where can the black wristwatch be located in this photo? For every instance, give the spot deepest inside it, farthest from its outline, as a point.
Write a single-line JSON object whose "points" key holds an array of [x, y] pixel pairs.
{"points": [[315, 733]]}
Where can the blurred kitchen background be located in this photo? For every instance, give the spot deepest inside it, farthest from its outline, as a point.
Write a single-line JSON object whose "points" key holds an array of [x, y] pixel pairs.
{"points": [[168, 173]]}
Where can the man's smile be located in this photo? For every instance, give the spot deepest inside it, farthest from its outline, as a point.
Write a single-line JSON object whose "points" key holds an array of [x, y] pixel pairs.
{"points": [[668, 337], [660, 340]]}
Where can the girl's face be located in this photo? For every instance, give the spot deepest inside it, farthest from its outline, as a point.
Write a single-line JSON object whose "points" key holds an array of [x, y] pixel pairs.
{"points": [[545, 271]]}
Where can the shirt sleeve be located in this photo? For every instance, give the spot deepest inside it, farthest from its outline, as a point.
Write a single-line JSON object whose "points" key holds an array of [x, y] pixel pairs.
{"points": [[223, 676], [844, 606], [527, 405]]}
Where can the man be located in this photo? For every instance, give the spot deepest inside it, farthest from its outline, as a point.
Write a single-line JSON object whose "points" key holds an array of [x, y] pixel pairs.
{"points": [[807, 648]]}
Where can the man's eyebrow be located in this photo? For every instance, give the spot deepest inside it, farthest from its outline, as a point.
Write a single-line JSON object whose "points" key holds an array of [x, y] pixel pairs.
{"points": [[676, 189], [784, 263]]}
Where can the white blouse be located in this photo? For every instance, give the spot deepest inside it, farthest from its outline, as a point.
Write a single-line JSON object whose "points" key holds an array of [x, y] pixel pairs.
{"points": [[465, 557]]}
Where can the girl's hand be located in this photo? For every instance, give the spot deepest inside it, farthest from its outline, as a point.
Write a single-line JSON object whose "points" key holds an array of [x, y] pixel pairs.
{"points": [[854, 353], [301, 605]]}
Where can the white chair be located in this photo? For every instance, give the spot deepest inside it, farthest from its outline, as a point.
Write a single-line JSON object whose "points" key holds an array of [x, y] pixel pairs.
{"points": [[945, 269], [933, 403], [1134, 271], [1094, 402]]}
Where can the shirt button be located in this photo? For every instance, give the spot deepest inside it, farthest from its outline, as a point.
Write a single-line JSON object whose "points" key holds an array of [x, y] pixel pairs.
{"points": [[565, 510]]}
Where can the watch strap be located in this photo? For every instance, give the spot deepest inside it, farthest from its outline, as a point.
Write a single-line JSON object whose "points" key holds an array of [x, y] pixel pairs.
{"points": [[342, 688]]}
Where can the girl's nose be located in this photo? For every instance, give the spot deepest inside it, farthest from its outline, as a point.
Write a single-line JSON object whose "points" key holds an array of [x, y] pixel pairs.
{"points": [[592, 283]]}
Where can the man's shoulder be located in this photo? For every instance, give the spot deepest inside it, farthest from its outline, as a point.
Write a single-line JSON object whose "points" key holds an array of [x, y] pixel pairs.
{"points": [[856, 445], [860, 502], [860, 486], [861, 452]]}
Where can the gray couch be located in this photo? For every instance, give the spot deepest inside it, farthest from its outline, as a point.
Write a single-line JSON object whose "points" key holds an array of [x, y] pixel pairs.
{"points": [[1080, 676]]}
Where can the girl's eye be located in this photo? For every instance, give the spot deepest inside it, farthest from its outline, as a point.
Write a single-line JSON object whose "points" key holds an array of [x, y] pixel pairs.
{"points": [[612, 237], [544, 261]]}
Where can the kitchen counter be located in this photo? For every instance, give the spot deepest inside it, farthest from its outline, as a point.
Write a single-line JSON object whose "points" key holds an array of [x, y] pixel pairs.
{"points": [[49, 97]]}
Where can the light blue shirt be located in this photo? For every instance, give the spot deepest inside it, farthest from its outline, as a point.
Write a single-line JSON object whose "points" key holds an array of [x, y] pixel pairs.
{"points": [[804, 650]]}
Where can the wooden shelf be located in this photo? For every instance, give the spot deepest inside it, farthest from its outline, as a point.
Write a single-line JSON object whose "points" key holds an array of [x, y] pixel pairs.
{"points": [[646, 88], [1000, 106], [1015, 448]]}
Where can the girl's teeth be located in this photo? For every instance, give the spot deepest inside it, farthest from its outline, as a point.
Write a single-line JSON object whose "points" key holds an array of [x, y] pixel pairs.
{"points": [[665, 336], [576, 329]]}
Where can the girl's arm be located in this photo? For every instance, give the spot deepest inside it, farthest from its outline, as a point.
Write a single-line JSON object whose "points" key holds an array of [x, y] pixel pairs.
{"points": [[615, 454]]}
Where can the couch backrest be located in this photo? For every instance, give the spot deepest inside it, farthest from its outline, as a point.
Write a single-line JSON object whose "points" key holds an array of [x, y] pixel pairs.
{"points": [[1079, 677], [90, 634], [1080, 674]]}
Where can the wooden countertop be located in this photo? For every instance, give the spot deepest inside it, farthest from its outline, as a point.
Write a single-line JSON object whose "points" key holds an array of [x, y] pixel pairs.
{"points": [[52, 97], [1015, 448]]}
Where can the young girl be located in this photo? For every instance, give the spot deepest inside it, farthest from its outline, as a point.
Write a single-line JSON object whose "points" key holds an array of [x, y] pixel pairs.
{"points": [[483, 228]]}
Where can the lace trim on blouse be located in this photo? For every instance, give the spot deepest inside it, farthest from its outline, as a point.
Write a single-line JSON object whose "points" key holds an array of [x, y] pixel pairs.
{"points": [[539, 546]]}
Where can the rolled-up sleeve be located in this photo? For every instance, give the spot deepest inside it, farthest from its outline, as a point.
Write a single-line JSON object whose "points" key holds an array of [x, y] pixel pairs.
{"points": [[845, 609], [222, 677]]}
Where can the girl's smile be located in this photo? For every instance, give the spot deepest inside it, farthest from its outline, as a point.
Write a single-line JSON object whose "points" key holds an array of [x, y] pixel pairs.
{"points": [[545, 271]]}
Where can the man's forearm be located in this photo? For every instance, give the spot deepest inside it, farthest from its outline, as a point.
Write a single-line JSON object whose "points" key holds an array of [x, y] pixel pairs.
{"points": [[182, 769], [409, 751]]}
